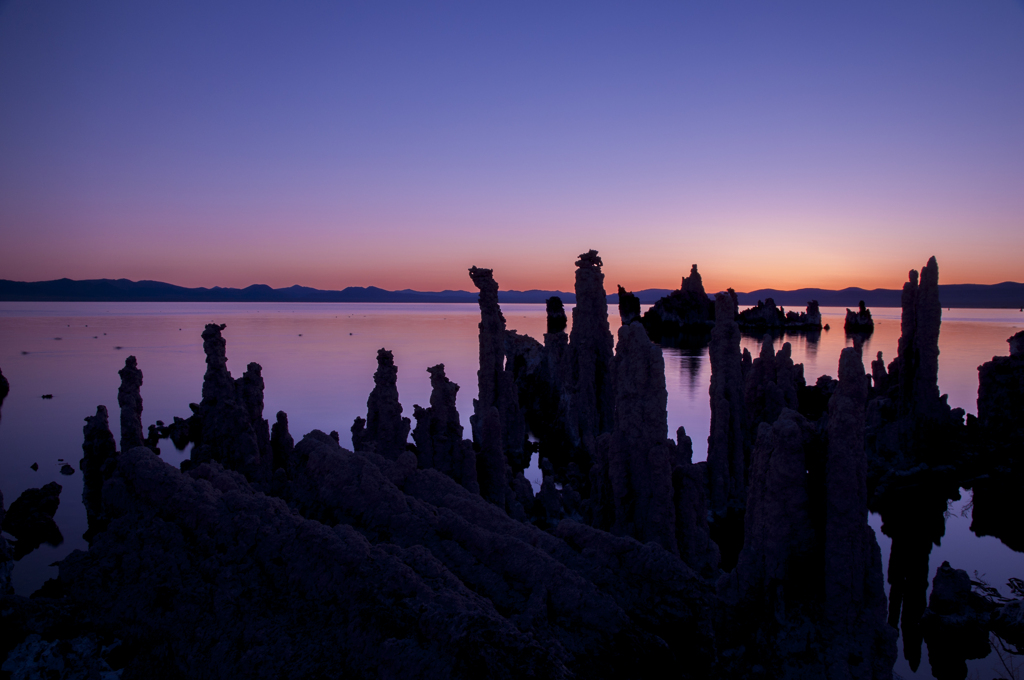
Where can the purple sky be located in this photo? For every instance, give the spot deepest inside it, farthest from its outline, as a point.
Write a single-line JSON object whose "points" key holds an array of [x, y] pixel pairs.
{"points": [[333, 144]]}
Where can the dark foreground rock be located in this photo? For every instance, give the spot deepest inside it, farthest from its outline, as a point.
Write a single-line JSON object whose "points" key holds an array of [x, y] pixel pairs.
{"points": [[29, 519]]}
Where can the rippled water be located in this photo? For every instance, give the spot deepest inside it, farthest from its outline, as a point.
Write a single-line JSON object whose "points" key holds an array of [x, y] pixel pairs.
{"points": [[318, 362]]}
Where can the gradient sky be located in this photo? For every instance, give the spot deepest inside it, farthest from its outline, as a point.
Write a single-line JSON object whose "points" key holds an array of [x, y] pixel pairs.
{"points": [[781, 144]]}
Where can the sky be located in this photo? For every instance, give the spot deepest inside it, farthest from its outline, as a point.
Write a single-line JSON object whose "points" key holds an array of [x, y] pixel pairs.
{"points": [[334, 144]]}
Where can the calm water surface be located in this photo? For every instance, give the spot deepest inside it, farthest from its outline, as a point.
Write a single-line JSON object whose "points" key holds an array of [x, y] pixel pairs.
{"points": [[318, 362]]}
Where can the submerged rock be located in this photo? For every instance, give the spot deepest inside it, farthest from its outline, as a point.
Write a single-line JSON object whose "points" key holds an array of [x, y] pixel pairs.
{"points": [[682, 317]]}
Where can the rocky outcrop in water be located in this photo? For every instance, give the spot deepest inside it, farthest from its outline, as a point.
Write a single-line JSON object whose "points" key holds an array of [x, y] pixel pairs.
{"points": [[438, 433], [129, 400], [384, 431], [859, 322], [684, 316], [29, 519]]}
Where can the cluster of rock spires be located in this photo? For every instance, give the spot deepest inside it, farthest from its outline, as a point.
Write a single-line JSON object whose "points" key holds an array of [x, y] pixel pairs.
{"points": [[686, 317], [436, 558]]}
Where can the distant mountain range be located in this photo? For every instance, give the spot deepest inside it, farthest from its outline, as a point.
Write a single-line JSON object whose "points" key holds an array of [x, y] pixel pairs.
{"points": [[1001, 295]]}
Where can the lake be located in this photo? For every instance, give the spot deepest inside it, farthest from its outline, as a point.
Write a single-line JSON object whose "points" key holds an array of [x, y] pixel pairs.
{"points": [[318, 362]]}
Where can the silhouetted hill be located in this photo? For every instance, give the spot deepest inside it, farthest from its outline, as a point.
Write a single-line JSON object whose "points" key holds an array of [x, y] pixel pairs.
{"points": [[1000, 295]]}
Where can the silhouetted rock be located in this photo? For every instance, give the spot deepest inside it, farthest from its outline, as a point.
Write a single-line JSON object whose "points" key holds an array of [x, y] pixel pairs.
{"points": [[260, 587], [30, 519], [879, 375], [763, 315], [809, 576], [386, 431], [99, 456], [772, 383], [956, 624], [5, 388], [438, 433], [854, 599], [229, 421], [497, 386], [629, 307], [684, 316], [129, 400], [178, 432], [639, 463], [1001, 393], [689, 483], [281, 441], [557, 320], [592, 349], [859, 322], [726, 458]]}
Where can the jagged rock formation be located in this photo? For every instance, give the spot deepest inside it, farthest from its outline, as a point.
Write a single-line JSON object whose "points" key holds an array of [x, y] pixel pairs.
{"points": [[99, 454], [854, 597], [438, 433], [726, 443], [1001, 393], [629, 307], [592, 350], [425, 578], [557, 320], [682, 317], [859, 322], [764, 315], [808, 552], [281, 441], [997, 503], [690, 484], [772, 383], [497, 387], [632, 474], [129, 400], [266, 549], [228, 425], [29, 519], [917, 364], [384, 430]]}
